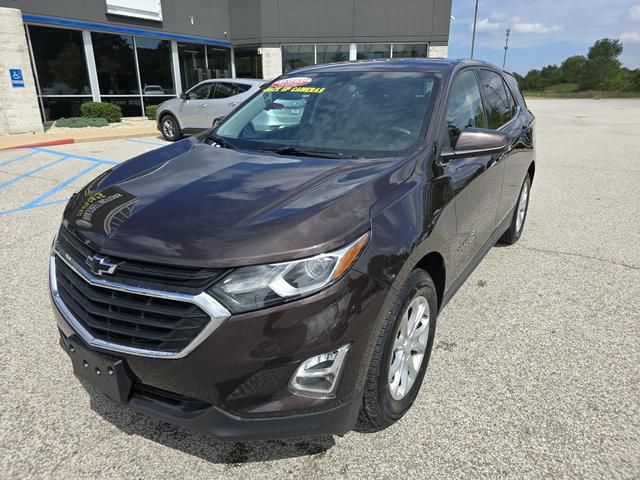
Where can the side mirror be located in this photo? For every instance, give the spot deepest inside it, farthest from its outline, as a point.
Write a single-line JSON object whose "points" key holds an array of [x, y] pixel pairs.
{"points": [[183, 96], [216, 121], [475, 142]]}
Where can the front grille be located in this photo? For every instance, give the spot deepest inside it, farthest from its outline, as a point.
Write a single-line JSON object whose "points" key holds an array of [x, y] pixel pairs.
{"points": [[128, 319], [142, 274]]}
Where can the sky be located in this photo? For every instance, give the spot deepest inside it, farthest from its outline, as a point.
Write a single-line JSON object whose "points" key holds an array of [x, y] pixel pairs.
{"points": [[543, 32]]}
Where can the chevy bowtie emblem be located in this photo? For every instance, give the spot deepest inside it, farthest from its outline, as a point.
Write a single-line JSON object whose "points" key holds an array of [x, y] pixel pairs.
{"points": [[100, 265]]}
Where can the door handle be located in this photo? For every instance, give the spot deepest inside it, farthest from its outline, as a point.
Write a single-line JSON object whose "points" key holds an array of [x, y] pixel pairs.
{"points": [[233, 104], [203, 105]]}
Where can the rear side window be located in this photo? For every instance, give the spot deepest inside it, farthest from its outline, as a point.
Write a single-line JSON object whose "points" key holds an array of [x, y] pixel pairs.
{"points": [[226, 90], [241, 87], [464, 109], [512, 83], [499, 104]]}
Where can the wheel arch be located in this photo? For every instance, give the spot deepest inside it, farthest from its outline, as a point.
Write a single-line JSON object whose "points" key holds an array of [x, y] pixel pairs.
{"points": [[433, 263], [164, 113], [531, 171]]}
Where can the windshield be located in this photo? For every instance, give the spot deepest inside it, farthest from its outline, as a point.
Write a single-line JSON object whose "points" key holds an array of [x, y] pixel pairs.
{"points": [[351, 114]]}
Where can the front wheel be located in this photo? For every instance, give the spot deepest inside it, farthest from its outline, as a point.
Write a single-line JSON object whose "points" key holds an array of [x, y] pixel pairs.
{"points": [[401, 354], [513, 234], [170, 128]]}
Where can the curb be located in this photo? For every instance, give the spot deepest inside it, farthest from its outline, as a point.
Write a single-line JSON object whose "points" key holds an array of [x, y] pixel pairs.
{"points": [[97, 138], [49, 143]]}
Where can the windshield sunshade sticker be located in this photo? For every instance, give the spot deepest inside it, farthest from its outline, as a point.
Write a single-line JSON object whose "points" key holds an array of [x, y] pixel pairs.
{"points": [[294, 84]]}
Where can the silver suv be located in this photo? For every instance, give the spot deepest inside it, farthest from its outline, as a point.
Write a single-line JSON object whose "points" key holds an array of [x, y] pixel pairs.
{"points": [[198, 108]]}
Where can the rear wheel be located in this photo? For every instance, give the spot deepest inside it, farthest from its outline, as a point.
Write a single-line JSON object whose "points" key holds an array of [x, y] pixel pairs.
{"points": [[514, 233], [170, 128], [401, 354]]}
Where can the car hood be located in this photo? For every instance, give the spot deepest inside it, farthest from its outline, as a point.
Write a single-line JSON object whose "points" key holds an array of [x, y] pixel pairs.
{"points": [[196, 205]]}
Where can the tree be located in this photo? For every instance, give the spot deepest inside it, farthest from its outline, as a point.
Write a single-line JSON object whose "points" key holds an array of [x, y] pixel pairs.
{"points": [[602, 69], [572, 69], [550, 75]]}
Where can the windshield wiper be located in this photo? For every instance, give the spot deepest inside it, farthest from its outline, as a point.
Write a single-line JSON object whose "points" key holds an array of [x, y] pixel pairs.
{"points": [[220, 142], [303, 152]]}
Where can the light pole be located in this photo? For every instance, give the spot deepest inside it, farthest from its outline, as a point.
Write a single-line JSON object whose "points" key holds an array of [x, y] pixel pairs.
{"points": [[473, 37], [506, 47]]}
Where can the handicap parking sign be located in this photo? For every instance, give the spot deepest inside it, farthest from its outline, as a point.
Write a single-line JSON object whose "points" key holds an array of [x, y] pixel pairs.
{"points": [[17, 80]]}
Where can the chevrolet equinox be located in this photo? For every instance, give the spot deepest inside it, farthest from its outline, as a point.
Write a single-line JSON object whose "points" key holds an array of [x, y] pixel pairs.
{"points": [[263, 280]]}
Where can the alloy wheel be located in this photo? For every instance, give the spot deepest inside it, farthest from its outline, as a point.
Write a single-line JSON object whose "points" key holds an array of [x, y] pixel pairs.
{"points": [[169, 128], [522, 206], [409, 348]]}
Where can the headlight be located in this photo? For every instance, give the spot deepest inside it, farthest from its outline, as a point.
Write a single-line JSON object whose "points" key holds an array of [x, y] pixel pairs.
{"points": [[252, 288]]}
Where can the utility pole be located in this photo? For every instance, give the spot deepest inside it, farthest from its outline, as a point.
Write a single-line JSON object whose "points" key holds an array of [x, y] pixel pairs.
{"points": [[473, 37], [506, 47]]}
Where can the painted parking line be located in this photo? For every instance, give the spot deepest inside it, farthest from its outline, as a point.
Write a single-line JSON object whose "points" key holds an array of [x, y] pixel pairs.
{"points": [[21, 157], [31, 172], [57, 188], [72, 155], [40, 200]]}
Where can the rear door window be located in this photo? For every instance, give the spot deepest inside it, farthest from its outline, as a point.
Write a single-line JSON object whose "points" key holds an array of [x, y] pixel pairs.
{"points": [[499, 107], [226, 89]]}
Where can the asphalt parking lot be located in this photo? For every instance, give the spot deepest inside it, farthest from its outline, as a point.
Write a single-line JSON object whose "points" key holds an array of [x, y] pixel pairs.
{"points": [[535, 371]]}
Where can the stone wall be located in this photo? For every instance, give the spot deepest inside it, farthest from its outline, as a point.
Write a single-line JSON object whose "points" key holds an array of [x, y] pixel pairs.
{"points": [[19, 112], [271, 62], [438, 51]]}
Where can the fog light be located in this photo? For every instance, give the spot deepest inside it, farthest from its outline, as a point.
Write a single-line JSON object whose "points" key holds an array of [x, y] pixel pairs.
{"points": [[318, 376]]}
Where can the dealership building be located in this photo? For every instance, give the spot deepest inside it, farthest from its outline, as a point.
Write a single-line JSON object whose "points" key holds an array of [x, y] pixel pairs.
{"points": [[58, 54]]}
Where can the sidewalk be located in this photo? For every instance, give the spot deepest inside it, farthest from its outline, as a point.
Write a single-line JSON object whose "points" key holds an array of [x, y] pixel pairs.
{"points": [[58, 136]]}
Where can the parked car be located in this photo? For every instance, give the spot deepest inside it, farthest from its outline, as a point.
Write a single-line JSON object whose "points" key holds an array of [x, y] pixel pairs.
{"points": [[255, 282], [153, 90], [198, 108]]}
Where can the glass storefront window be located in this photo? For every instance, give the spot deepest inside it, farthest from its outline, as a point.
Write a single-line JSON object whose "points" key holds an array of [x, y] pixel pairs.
{"points": [[115, 63], [193, 64], [219, 62], [59, 107], [370, 51], [130, 106], [248, 62], [60, 62], [156, 100], [332, 53], [154, 60], [297, 56], [409, 50]]}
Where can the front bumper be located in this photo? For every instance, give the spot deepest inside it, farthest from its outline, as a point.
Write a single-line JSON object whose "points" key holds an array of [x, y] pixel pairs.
{"points": [[235, 383]]}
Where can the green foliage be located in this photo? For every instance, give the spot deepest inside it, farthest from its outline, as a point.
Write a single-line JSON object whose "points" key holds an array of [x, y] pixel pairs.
{"points": [[110, 112], [562, 88], [572, 69], [80, 122], [150, 111], [600, 71], [603, 69]]}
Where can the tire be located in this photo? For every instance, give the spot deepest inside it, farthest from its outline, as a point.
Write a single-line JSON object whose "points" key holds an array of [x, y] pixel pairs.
{"points": [[513, 234], [170, 128], [383, 404]]}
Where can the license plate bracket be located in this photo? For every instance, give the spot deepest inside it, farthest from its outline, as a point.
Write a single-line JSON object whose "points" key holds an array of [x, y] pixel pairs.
{"points": [[108, 374]]}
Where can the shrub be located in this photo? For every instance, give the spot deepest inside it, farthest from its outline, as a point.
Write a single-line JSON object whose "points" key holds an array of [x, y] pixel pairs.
{"points": [[562, 88], [80, 122], [110, 112], [150, 111]]}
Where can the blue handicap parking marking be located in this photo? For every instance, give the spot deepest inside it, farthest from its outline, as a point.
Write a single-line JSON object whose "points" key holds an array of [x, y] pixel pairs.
{"points": [[48, 197], [17, 79]]}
